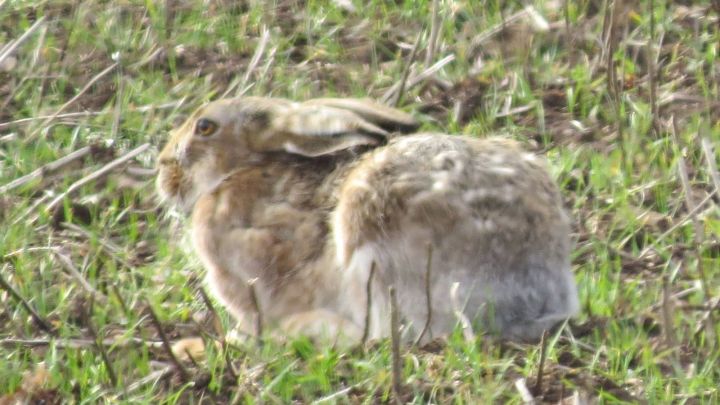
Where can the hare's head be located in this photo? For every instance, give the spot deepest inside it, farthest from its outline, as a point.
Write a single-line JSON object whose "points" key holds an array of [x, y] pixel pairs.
{"points": [[228, 134]]}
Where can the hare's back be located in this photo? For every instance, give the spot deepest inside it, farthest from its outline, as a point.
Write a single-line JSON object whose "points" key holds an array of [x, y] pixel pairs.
{"points": [[483, 194]]}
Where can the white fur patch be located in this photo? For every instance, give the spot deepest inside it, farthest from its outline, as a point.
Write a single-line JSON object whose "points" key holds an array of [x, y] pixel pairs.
{"points": [[503, 170], [486, 225], [529, 157], [498, 159], [339, 237], [292, 148], [361, 183]]}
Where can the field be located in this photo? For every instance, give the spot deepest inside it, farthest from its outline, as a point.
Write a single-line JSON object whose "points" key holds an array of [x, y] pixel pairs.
{"points": [[100, 301]]}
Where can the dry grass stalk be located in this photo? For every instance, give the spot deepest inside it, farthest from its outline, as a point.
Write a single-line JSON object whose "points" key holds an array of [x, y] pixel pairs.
{"points": [[610, 46], [40, 321], [435, 22], [151, 378], [98, 174], [406, 72], [465, 324], [45, 169], [78, 343], [428, 297], [541, 365], [9, 49], [525, 394], [395, 341], [419, 78], [62, 108], [85, 114], [652, 56], [166, 344], [82, 114], [77, 275], [368, 304], [254, 61]]}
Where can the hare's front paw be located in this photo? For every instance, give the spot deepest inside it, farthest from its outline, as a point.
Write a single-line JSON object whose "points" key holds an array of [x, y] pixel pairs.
{"points": [[324, 325]]}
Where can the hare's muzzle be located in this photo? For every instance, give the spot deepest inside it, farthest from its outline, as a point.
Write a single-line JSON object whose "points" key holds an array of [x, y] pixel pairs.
{"points": [[169, 178]]}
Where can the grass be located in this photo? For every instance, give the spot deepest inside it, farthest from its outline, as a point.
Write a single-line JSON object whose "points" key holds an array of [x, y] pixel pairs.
{"points": [[578, 90]]}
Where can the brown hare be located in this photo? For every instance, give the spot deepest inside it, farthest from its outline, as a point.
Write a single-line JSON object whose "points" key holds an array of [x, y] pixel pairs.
{"points": [[303, 198]]}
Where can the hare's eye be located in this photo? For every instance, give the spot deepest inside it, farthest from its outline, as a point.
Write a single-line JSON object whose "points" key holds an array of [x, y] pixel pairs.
{"points": [[205, 127]]}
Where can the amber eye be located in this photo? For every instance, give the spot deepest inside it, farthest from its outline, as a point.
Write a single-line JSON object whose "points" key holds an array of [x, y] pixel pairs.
{"points": [[205, 127]]}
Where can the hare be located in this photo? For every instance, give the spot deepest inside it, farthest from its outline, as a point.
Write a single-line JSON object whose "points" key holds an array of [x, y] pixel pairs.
{"points": [[304, 199]]}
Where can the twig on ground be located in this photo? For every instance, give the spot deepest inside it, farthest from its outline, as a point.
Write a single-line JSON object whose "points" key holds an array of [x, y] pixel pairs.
{"points": [[435, 22], [75, 98], [428, 297], [98, 174], [652, 56], [78, 343], [151, 378], [258, 311], [395, 341], [9, 49], [166, 344], [254, 61], [40, 321], [332, 398], [541, 366], [48, 168], [217, 325], [85, 114], [524, 392], [416, 79], [264, 72], [368, 304], [406, 72], [75, 273], [614, 88]]}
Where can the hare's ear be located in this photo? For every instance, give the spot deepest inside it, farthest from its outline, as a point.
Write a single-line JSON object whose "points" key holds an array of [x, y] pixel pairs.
{"points": [[387, 118], [316, 130]]}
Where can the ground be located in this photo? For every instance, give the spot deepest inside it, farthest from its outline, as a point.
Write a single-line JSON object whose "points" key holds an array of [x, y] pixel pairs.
{"points": [[621, 96]]}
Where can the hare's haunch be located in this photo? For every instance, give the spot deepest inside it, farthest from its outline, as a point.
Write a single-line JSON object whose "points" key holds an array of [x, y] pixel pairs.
{"points": [[303, 198]]}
